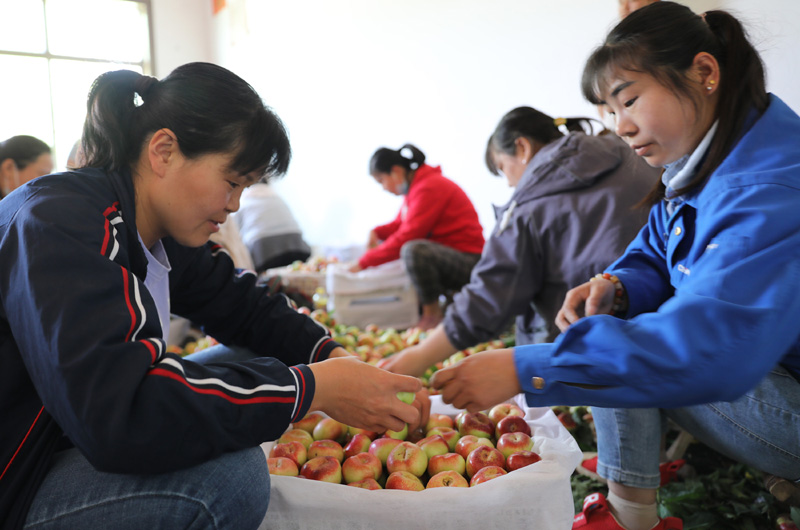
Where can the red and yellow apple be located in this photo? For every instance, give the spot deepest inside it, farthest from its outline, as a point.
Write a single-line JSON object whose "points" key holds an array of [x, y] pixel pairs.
{"points": [[467, 443], [281, 465], [330, 429], [407, 457], [522, 459], [447, 479], [434, 445], [323, 468], [382, 447], [359, 443], [296, 435], [438, 420], [514, 442], [294, 450], [486, 474], [484, 456], [498, 412], [361, 466], [367, 484], [476, 424], [512, 424], [308, 422], [447, 462], [326, 448], [450, 435], [403, 480]]}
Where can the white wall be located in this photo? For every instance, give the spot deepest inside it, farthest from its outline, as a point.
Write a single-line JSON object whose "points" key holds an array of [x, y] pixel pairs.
{"points": [[182, 33], [350, 76]]}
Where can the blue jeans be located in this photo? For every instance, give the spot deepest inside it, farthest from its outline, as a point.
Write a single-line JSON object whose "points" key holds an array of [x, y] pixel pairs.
{"points": [[231, 491], [760, 429]]}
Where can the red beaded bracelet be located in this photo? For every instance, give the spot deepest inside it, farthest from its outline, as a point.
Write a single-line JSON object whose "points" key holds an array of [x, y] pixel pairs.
{"points": [[620, 302]]}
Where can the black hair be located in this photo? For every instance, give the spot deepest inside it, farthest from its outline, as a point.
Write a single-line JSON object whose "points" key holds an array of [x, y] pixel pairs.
{"points": [[536, 126], [409, 157], [23, 150], [662, 40], [208, 108]]}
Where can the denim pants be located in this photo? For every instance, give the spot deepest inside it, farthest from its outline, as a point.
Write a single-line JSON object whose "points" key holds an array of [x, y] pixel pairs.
{"points": [[760, 429], [231, 491]]}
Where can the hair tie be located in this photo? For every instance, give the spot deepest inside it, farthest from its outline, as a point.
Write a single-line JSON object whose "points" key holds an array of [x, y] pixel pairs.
{"points": [[558, 122], [703, 16], [142, 87]]}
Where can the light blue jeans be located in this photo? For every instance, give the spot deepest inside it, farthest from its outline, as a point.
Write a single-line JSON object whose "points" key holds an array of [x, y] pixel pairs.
{"points": [[760, 429], [229, 492]]}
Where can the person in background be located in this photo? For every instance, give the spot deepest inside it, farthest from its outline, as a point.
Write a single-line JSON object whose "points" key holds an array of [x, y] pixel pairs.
{"points": [[268, 228], [22, 158], [436, 233], [697, 320], [573, 211], [102, 427]]}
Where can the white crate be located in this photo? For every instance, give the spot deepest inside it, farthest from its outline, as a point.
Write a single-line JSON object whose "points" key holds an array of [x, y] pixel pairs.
{"points": [[388, 308]]}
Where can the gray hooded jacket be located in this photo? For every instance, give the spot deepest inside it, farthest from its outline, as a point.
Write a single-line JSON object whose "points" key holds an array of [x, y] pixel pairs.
{"points": [[571, 215]]}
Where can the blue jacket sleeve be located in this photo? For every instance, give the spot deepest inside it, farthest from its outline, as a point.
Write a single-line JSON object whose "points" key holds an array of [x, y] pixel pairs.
{"points": [[732, 318]]}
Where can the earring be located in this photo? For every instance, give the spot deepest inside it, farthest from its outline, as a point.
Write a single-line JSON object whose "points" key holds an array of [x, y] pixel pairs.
{"points": [[711, 82]]}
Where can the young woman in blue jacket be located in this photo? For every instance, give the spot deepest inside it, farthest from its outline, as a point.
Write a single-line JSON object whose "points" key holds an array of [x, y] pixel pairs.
{"points": [[101, 427], [697, 321]]}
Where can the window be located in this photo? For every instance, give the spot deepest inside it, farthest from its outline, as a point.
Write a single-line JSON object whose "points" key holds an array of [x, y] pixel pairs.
{"points": [[52, 50]]}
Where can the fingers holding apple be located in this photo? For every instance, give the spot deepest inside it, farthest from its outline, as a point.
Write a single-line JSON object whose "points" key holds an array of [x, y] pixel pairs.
{"points": [[479, 381]]}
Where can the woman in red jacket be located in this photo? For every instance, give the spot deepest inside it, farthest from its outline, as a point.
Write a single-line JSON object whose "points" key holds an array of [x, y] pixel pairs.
{"points": [[437, 233]]}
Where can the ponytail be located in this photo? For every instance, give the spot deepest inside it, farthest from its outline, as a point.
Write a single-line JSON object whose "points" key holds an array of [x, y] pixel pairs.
{"points": [[536, 126], [662, 40], [409, 157], [208, 108]]}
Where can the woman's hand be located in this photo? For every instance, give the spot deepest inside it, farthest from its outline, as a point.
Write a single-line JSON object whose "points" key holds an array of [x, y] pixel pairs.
{"points": [[357, 394], [595, 297], [355, 268], [373, 240], [479, 381], [411, 361]]}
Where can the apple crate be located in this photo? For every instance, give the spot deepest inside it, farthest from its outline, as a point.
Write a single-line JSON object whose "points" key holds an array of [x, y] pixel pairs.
{"points": [[381, 295], [536, 496]]}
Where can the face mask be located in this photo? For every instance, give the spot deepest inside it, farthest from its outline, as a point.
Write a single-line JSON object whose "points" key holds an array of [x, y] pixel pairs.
{"points": [[403, 188]]}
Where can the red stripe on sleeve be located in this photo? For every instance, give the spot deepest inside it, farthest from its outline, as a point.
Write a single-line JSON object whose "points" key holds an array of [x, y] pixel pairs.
{"points": [[210, 391], [22, 443], [153, 354], [128, 302], [319, 350]]}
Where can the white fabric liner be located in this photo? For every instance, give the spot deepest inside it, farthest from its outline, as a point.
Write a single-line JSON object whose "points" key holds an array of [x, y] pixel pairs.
{"points": [[537, 496]]}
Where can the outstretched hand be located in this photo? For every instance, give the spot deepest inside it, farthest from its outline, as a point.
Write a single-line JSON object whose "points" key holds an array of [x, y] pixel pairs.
{"points": [[591, 298], [479, 381], [357, 394]]}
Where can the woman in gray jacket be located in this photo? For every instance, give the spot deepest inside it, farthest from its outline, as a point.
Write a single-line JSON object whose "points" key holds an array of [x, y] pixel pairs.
{"points": [[573, 211]]}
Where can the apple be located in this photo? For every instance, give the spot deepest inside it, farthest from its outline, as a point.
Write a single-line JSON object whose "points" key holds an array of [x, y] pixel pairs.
{"points": [[459, 418], [512, 424], [397, 435], [323, 468], [567, 420], [294, 450], [477, 424], [483, 456], [407, 457], [326, 448], [498, 412], [434, 445], [367, 484], [438, 420], [447, 479], [360, 467], [522, 459], [296, 435], [382, 447], [406, 397], [469, 442], [308, 422], [330, 429], [514, 442], [352, 431], [281, 465], [450, 435], [403, 480], [486, 474], [447, 462], [358, 444]]}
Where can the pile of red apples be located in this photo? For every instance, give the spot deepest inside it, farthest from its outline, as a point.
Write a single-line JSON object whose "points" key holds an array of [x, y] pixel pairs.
{"points": [[464, 451]]}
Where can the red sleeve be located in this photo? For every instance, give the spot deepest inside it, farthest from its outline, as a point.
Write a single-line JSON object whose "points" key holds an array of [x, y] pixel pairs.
{"points": [[424, 203]]}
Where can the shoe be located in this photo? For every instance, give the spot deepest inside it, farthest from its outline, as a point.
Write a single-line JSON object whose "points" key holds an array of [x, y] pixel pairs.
{"points": [[596, 515], [668, 470]]}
